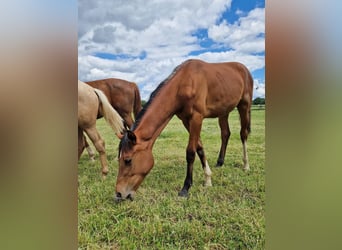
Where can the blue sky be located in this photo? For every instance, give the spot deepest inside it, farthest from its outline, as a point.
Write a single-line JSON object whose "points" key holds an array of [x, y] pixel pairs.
{"points": [[143, 41], [242, 5]]}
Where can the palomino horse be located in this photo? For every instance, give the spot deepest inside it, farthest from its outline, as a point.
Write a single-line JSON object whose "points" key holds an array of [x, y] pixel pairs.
{"points": [[195, 90], [124, 97], [92, 102]]}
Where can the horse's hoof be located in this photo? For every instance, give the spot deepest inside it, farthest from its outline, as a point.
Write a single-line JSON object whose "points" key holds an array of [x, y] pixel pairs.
{"points": [[246, 168], [208, 183], [183, 193], [219, 164]]}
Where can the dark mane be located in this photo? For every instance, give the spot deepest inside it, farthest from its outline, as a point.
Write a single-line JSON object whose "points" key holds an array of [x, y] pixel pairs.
{"points": [[154, 94], [124, 143]]}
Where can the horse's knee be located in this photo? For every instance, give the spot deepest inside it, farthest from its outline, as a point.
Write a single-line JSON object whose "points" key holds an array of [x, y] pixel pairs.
{"points": [[225, 134], [100, 146]]}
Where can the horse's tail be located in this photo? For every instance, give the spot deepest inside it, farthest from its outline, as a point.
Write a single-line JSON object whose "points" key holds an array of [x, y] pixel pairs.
{"points": [[109, 113], [137, 101]]}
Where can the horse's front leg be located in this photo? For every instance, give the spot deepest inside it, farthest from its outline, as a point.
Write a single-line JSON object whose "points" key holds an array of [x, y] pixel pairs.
{"points": [[195, 125], [190, 158], [81, 142]]}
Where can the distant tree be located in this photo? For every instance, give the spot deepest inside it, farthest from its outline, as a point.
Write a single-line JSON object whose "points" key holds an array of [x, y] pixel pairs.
{"points": [[258, 101], [143, 102]]}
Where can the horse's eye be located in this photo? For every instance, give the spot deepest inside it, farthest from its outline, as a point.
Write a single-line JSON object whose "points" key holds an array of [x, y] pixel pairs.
{"points": [[128, 161]]}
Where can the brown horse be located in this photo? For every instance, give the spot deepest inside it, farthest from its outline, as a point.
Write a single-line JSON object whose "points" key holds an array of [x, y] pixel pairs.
{"points": [[91, 103], [194, 91], [124, 97]]}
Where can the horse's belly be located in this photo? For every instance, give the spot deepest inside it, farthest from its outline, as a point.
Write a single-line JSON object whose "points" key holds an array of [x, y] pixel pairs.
{"points": [[218, 110]]}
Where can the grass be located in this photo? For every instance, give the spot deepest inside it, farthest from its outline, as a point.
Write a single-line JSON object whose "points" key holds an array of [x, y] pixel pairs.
{"points": [[228, 215]]}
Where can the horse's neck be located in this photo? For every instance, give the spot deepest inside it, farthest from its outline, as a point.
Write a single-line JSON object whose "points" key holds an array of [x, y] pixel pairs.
{"points": [[157, 116]]}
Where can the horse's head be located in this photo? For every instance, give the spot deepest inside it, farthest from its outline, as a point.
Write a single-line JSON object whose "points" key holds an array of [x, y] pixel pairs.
{"points": [[135, 162]]}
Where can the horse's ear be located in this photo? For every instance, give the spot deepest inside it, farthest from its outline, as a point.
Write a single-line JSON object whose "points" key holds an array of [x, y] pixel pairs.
{"points": [[131, 136]]}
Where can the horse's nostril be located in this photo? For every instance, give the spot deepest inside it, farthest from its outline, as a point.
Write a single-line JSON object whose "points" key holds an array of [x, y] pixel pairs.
{"points": [[129, 197], [118, 195]]}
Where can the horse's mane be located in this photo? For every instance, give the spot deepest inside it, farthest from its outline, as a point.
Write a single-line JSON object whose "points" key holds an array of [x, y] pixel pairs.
{"points": [[125, 142], [154, 94]]}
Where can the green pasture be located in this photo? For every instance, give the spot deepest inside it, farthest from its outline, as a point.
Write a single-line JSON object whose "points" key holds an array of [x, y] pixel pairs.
{"points": [[228, 215]]}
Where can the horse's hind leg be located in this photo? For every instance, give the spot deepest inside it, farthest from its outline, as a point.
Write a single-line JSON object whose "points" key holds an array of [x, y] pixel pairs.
{"points": [[225, 134], [81, 143], [245, 117], [89, 149], [99, 144]]}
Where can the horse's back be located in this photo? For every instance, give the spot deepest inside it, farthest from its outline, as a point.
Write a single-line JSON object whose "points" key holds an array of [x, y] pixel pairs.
{"points": [[217, 88], [120, 93], [222, 75], [113, 86]]}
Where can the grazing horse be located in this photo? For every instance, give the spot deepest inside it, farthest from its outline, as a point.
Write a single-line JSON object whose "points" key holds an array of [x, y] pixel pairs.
{"points": [[124, 97], [91, 103], [195, 90]]}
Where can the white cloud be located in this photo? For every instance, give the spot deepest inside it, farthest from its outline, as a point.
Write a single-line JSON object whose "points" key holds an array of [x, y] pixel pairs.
{"points": [[139, 15], [259, 89], [245, 35], [132, 27], [239, 12], [252, 62], [162, 31]]}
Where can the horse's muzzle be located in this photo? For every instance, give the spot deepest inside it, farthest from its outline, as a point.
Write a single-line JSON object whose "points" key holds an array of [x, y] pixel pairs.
{"points": [[119, 197]]}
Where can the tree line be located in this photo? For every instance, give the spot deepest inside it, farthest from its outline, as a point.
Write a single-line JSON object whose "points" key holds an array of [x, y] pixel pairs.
{"points": [[259, 101]]}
